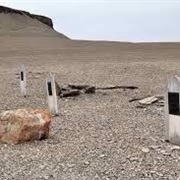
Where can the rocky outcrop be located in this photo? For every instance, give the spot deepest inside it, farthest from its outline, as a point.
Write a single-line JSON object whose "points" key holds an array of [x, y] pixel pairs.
{"points": [[43, 19], [17, 126]]}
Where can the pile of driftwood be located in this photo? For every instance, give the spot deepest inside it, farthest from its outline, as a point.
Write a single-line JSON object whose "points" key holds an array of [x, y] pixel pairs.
{"points": [[75, 90]]}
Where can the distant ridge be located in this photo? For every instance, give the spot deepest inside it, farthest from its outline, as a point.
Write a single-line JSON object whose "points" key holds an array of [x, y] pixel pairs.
{"points": [[13, 22]]}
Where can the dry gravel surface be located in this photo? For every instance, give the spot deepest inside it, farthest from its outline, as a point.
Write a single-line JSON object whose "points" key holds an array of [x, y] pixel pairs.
{"points": [[99, 136]]}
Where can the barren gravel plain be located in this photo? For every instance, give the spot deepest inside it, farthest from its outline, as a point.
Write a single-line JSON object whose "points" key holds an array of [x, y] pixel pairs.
{"points": [[99, 136]]}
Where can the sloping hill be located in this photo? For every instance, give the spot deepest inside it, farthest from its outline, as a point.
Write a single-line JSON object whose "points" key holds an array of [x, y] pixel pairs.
{"points": [[21, 23]]}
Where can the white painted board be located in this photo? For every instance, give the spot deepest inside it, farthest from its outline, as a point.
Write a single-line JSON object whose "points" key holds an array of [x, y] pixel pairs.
{"points": [[51, 95], [172, 121], [23, 80]]}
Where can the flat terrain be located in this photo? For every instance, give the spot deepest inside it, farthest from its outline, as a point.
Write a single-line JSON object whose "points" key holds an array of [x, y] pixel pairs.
{"points": [[100, 136]]}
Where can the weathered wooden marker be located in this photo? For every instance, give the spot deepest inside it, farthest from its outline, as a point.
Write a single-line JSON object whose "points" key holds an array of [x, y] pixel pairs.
{"points": [[52, 97], [23, 80], [172, 110]]}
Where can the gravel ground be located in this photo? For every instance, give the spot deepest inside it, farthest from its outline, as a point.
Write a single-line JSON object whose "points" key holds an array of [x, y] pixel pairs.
{"points": [[98, 136]]}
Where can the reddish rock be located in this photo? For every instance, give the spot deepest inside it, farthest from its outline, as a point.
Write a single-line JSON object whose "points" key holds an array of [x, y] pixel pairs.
{"points": [[17, 126]]}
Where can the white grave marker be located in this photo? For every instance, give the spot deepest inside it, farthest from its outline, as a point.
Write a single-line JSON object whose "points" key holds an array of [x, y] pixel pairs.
{"points": [[23, 80], [172, 110], [52, 97]]}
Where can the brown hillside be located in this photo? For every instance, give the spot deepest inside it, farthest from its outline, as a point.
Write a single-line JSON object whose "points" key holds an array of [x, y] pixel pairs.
{"points": [[21, 23]]}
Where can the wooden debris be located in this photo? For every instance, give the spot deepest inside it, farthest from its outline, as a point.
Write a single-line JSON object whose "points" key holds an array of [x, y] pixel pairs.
{"points": [[149, 100], [70, 93], [134, 99], [159, 100], [140, 106], [75, 89], [90, 90], [80, 87], [117, 87], [58, 89], [160, 103], [65, 89]]}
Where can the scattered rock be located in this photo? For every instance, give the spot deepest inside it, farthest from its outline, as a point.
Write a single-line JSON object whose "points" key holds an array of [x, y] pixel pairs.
{"points": [[39, 73], [86, 162], [134, 159], [71, 165], [165, 153], [153, 139], [155, 147], [17, 126], [173, 148], [36, 77], [102, 156], [145, 150]]}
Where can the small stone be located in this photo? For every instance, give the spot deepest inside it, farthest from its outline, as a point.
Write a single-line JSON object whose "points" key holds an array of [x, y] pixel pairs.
{"points": [[36, 77], [153, 139], [102, 155], [134, 159], [153, 172], [165, 153], [159, 174], [86, 162], [154, 147], [71, 165], [145, 150], [96, 176], [46, 177], [175, 148]]}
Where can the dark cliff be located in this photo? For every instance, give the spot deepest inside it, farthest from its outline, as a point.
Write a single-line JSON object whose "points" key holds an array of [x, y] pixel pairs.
{"points": [[43, 19]]}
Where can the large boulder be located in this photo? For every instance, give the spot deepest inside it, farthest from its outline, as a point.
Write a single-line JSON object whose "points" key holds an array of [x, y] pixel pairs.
{"points": [[17, 126]]}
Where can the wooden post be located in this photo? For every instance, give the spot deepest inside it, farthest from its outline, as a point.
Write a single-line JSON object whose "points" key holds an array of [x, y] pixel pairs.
{"points": [[172, 110], [23, 80], [51, 94]]}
